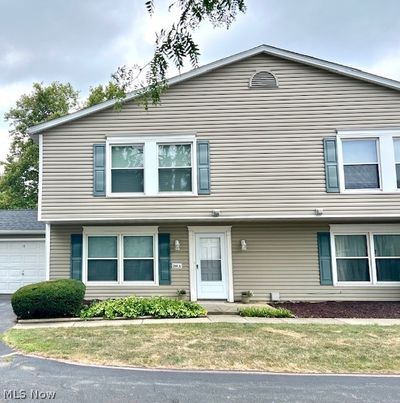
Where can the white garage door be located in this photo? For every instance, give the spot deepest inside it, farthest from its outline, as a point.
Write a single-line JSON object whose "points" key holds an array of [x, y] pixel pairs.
{"points": [[21, 263]]}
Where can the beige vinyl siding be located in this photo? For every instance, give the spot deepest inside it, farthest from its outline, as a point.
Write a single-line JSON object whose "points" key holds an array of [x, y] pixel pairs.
{"points": [[280, 257], [60, 264], [266, 146], [283, 257]]}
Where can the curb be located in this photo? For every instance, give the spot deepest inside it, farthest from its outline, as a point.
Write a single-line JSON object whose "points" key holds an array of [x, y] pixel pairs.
{"points": [[210, 319], [205, 371]]}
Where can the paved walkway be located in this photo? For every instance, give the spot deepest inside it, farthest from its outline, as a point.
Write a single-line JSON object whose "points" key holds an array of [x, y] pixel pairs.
{"points": [[208, 319]]}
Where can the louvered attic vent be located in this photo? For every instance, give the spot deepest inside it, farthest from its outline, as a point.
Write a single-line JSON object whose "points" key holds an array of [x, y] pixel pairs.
{"points": [[263, 79]]}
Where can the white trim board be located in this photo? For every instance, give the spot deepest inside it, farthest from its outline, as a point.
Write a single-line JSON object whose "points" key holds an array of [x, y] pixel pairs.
{"points": [[262, 49], [22, 232], [40, 179], [309, 217], [22, 239], [47, 246], [362, 228]]}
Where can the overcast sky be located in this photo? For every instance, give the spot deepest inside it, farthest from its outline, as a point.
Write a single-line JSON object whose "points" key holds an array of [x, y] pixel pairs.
{"points": [[84, 41]]}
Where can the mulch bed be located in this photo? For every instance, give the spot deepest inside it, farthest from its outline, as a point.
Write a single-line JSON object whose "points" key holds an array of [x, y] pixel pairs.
{"points": [[345, 309]]}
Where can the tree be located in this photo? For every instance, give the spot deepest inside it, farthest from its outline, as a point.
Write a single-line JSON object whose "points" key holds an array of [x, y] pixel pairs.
{"points": [[18, 185], [103, 93], [175, 44]]}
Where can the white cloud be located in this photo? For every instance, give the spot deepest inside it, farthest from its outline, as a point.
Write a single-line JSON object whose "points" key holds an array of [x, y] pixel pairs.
{"points": [[10, 93]]}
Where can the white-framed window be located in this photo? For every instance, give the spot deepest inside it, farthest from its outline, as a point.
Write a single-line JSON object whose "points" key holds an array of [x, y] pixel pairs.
{"points": [[361, 163], [120, 255], [367, 161], [365, 254], [127, 169], [396, 142], [102, 258], [175, 170], [151, 166]]}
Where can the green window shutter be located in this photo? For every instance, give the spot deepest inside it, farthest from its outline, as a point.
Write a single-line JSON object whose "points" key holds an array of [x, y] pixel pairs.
{"points": [[76, 256], [331, 165], [324, 257], [99, 170], [203, 167], [164, 260]]}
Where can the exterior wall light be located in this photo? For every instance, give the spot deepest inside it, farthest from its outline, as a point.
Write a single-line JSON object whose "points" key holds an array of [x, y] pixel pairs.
{"points": [[243, 245], [177, 245], [215, 213], [319, 211]]}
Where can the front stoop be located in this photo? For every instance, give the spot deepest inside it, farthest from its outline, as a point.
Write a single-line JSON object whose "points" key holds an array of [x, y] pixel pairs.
{"points": [[231, 308]]}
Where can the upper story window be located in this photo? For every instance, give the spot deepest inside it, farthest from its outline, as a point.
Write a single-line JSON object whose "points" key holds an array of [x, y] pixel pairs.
{"points": [[397, 159], [360, 164], [151, 166], [127, 170], [369, 161], [175, 168]]}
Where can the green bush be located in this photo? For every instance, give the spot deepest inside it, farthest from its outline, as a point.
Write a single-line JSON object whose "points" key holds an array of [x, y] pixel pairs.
{"points": [[266, 312], [49, 299], [133, 307]]}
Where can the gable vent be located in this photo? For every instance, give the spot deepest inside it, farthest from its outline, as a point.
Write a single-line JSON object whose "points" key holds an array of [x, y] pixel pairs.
{"points": [[263, 79]]}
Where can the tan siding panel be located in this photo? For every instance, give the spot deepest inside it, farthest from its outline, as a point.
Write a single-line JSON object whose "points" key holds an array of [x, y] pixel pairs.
{"points": [[265, 145], [284, 258], [280, 257]]}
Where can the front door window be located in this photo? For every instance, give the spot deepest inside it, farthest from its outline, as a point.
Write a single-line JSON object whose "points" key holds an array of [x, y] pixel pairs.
{"points": [[210, 259]]}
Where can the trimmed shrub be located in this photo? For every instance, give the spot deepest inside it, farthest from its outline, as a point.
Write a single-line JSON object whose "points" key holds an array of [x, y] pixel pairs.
{"points": [[49, 299], [266, 312], [133, 307]]}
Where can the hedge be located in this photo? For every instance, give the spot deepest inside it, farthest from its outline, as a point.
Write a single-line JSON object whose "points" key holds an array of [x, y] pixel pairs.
{"points": [[49, 299], [265, 312]]}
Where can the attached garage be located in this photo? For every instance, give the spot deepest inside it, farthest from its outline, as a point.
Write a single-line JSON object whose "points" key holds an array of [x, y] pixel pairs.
{"points": [[22, 250], [21, 262]]}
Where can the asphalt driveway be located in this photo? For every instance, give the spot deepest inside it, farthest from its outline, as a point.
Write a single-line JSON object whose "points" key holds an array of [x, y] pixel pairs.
{"points": [[92, 384], [7, 320], [31, 377]]}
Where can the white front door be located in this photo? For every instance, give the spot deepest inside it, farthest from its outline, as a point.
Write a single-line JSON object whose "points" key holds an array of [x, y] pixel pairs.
{"points": [[211, 266]]}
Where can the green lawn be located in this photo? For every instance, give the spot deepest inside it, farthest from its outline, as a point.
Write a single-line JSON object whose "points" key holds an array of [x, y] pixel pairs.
{"points": [[291, 348]]}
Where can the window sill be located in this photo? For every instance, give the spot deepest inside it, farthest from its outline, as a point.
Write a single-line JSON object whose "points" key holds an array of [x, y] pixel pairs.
{"points": [[142, 195], [123, 284], [367, 284], [362, 191], [369, 191]]}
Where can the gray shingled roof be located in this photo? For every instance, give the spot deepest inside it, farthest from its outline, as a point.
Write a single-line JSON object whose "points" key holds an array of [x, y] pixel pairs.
{"points": [[20, 220]]}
